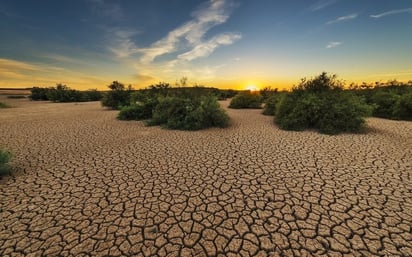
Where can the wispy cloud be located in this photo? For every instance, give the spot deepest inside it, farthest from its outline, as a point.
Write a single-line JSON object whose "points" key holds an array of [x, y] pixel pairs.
{"points": [[24, 74], [10, 65], [392, 12], [122, 44], [189, 36], [192, 33], [321, 4], [206, 48], [333, 44], [343, 18]]}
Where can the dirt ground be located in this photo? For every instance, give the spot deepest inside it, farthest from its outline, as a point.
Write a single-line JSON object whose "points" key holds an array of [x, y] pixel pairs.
{"points": [[86, 184]]}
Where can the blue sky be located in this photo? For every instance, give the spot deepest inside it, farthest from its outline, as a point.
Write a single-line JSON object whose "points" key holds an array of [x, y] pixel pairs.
{"points": [[224, 43]]}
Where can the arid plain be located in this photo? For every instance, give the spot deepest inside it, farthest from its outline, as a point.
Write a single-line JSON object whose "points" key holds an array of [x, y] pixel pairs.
{"points": [[85, 184]]}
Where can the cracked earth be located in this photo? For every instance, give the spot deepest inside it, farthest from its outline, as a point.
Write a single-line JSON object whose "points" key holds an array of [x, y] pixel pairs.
{"points": [[86, 184]]}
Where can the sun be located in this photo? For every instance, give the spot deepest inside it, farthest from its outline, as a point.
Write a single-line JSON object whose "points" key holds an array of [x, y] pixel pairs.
{"points": [[252, 88]]}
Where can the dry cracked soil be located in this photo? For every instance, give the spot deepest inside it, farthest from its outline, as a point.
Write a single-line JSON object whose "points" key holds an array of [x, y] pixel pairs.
{"points": [[86, 184]]}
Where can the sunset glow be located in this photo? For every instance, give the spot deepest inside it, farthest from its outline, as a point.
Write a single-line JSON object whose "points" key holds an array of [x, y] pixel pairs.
{"points": [[89, 43]]}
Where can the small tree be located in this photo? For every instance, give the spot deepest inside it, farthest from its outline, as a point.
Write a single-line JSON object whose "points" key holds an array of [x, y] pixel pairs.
{"points": [[117, 97]]}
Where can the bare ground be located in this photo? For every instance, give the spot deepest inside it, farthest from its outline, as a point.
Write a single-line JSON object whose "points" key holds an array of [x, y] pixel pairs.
{"points": [[86, 184]]}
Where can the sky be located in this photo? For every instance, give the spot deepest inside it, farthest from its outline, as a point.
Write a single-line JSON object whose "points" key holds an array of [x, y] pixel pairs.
{"points": [[87, 44]]}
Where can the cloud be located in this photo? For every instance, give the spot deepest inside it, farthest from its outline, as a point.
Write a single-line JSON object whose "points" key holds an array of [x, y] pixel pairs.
{"points": [[333, 44], [144, 78], [122, 44], [15, 73], [206, 48], [8, 65], [321, 4], [392, 12], [343, 18], [192, 32]]}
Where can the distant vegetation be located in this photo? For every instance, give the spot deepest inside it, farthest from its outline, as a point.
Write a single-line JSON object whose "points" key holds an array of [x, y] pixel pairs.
{"points": [[184, 108], [62, 93], [246, 100], [390, 100], [5, 157]]}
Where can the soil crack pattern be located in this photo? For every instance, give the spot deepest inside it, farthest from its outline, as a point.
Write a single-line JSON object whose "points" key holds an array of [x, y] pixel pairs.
{"points": [[86, 184]]}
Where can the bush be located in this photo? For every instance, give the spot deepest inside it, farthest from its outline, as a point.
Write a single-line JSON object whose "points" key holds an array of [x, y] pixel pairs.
{"points": [[384, 103], [271, 103], [189, 113], [5, 157], [246, 100], [322, 104], [4, 105], [117, 97], [63, 94], [138, 111], [39, 94], [403, 107], [92, 95]]}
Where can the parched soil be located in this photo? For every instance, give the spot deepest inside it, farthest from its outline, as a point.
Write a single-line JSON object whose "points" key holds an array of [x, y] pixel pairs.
{"points": [[86, 184]]}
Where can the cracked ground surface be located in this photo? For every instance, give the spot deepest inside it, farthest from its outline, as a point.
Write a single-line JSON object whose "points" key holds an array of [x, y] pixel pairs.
{"points": [[86, 184]]}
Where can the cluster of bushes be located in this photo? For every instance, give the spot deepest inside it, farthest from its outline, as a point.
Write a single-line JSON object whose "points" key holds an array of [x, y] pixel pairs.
{"points": [[321, 104], [62, 93], [246, 100], [391, 100], [5, 157], [175, 108]]}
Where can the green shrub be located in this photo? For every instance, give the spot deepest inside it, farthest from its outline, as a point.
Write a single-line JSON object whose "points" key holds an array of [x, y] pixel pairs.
{"points": [[246, 100], [92, 95], [271, 103], [403, 107], [189, 113], [4, 105], [5, 157], [117, 97], [384, 103], [322, 104], [138, 111], [63, 94], [39, 94]]}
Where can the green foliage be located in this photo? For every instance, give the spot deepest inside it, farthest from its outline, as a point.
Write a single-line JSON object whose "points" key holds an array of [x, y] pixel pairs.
{"points": [[117, 97], [189, 113], [5, 157], [384, 103], [267, 93], [39, 94], [403, 107], [4, 105], [139, 110], [92, 95], [63, 94], [389, 99], [246, 100], [271, 103], [322, 104]]}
